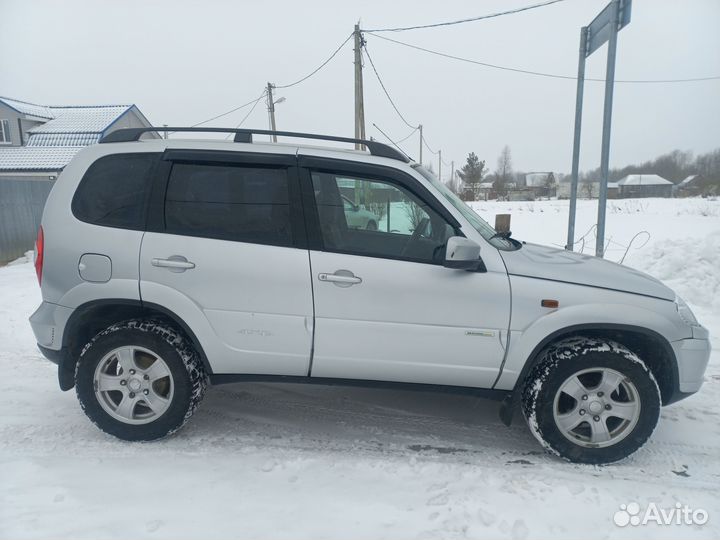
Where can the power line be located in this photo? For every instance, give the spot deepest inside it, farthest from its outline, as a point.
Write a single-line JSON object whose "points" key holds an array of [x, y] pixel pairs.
{"points": [[306, 77], [396, 144], [249, 112], [372, 64], [424, 140], [539, 73], [461, 21], [225, 113], [254, 102], [408, 135]]}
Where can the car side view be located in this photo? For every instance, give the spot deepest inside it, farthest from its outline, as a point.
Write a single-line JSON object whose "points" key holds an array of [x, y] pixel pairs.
{"points": [[169, 264]]}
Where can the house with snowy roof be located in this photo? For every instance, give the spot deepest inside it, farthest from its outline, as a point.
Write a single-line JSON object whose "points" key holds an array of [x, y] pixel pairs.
{"points": [[644, 185], [36, 143], [41, 139]]}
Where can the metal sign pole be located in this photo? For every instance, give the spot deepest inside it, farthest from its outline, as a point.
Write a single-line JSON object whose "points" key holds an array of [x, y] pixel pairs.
{"points": [[607, 119], [576, 138]]}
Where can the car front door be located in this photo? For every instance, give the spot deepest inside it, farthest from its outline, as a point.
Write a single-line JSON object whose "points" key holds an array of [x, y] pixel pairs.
{"points": [[225, 252], [385, 307]]}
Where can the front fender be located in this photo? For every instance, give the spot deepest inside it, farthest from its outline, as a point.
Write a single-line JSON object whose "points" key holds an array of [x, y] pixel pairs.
{"points": [[580, 308]]}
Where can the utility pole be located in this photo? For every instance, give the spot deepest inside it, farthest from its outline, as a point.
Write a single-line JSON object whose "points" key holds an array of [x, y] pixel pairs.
{"points": [[271, 110], [440, 165], [452, 176], [421, 144], [359, 100]]}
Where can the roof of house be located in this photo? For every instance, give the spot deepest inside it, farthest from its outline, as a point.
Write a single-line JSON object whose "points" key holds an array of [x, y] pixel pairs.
{"points": [[81, 119], [64, 130], [689, 180], [30, 109], [644, 180], [37, 158]]}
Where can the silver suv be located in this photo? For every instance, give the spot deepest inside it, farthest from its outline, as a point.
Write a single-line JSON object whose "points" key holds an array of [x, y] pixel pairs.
{"points": [[168, 264]]}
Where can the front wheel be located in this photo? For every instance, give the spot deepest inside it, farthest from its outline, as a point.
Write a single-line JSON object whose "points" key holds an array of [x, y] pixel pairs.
{"points": [[591, 401], [139, 380]]}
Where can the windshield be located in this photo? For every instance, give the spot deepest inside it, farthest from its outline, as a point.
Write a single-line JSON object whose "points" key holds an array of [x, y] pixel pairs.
{"points": [[478, 223]]}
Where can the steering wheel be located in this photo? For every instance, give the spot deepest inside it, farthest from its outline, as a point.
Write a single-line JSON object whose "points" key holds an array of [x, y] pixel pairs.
{"points": [[416, 234]]}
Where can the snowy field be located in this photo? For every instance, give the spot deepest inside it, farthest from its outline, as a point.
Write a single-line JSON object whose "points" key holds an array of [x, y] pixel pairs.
{"points": [[285, 461]]}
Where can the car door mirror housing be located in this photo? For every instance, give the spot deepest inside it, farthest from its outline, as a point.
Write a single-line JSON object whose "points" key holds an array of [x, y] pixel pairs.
{"points": [[462, 254]]}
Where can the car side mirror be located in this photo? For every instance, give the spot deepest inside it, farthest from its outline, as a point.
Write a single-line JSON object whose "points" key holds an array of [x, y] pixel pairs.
{"points": [[462, 254]]}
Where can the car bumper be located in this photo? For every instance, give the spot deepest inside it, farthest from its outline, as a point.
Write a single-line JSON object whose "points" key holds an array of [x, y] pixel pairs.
{"points": [[692, 358], [48, 323]]}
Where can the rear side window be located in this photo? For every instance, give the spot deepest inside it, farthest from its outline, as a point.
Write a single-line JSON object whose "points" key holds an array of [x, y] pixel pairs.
{"points": [[114, 191], [229, 202]]}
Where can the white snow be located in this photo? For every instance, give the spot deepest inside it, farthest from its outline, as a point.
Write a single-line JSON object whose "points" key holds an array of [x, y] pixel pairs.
{"points": [[286, 461]]}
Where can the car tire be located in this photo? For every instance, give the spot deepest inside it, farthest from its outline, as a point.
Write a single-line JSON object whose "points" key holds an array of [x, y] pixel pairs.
{"points": [[139, 380], [371, 226], [591, 400]]}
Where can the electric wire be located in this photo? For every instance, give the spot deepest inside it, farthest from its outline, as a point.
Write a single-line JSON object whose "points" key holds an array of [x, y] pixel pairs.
{"points": [[225, 113], [408, 135], [313, 72], [542, 74], [461, 21], [387, 94], [249, 112], [396, 144], [254, 102]]}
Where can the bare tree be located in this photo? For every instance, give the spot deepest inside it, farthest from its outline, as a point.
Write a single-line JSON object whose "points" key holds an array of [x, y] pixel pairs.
{"points": [[504, 171], [586, 188]]}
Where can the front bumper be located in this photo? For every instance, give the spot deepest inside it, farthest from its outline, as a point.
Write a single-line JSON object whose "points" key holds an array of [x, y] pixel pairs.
{"points": [[692, 357]]}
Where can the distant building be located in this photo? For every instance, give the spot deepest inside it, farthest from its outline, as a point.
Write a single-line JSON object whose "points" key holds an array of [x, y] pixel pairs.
{"points": [[36, 143], [542, 184], [587, 190], [644, 185], [697, 185]]}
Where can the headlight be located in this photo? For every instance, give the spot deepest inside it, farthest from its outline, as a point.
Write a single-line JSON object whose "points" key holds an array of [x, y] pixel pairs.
{"points": [[685, 312]]}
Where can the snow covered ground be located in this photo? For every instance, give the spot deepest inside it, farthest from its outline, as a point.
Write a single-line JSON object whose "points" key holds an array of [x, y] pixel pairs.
{"points": [[285, 461]]}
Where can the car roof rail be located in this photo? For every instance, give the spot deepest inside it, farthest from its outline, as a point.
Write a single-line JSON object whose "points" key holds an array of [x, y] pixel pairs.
{"points": [[243, 135]]}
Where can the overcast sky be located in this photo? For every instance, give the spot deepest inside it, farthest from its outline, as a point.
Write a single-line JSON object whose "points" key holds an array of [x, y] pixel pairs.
{"points": [[181, 62]]}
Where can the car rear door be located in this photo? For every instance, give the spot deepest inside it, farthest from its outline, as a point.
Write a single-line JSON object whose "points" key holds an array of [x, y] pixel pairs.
{"points": [[226, 252], [385, 307]]}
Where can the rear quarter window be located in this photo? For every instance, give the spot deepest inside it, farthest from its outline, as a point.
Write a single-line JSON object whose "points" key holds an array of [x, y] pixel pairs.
{"points": [[114, 191]]}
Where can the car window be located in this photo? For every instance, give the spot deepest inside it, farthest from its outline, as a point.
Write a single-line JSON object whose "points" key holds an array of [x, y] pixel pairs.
{"points": [[387, 220], [229, 202], [114, 190]]}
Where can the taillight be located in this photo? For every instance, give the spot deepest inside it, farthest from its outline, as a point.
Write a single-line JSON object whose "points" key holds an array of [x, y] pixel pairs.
{"points": [[39, 251]]}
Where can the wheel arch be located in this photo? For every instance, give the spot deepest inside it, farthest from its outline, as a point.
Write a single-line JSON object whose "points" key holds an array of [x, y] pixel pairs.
{"points": [[92, 317], [650, 346]]}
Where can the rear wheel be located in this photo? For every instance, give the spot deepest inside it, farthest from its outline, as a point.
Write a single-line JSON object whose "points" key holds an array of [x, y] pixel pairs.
{"points": [[139, 380], [591, 401], [372, 226]]}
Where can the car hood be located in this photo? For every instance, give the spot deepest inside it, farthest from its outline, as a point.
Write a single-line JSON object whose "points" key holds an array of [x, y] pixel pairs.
{"points": [[544, 262]]}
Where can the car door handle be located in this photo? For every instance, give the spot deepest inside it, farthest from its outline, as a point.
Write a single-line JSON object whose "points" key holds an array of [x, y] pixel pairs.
{"points": [[341, 278], [175, 263]]}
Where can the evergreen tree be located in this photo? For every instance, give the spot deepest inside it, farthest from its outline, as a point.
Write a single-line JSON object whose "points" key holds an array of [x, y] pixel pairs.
{"points": [[472, 174]]}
